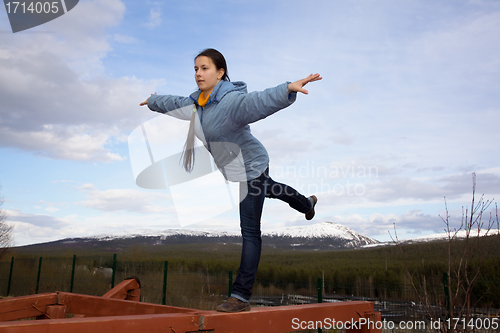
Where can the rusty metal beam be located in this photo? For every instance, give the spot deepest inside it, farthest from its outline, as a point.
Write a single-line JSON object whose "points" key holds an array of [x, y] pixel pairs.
{"points": [[372, 320], [286, 318], [128, 319], [55, 312], [114, 313], [25, 306], [129, 289], [177, 322], [95, 306]]}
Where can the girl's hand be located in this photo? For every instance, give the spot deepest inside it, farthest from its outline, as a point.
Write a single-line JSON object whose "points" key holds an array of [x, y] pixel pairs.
{"points": [[146, 102], [297, 86]]}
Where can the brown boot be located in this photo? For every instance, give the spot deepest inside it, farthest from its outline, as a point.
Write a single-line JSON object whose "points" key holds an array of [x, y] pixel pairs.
{"points": [[233, 305], [310, 214]]}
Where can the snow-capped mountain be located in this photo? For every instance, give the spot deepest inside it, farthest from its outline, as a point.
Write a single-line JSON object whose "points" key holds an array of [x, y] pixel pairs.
{"points": [[169, 233], [455, 234], [320, 236], [325, 235], [324, 230]]}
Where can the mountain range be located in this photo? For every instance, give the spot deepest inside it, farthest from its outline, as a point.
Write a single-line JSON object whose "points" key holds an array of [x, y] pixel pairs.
{"points": [[320, 236]]}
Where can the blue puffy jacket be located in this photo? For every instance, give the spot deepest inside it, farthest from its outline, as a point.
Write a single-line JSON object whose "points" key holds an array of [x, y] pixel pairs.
{"points": [[223, 125]]}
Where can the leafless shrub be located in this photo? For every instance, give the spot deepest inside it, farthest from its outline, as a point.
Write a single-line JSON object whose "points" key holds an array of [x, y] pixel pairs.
{"points": [[464, 245], [5, 231]]}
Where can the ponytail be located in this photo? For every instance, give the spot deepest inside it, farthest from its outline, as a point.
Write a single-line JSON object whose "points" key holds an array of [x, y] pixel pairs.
{"points": [[189, 146]]}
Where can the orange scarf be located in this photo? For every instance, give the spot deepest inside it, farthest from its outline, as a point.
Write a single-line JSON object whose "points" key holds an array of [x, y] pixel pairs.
{"points": [[202, 100]]}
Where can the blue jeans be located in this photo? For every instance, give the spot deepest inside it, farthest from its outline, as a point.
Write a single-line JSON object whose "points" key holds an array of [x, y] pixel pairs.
{"points": [[250, 214]]}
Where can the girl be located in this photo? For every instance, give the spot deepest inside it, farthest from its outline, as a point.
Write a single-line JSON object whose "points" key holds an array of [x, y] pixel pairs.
{"points": [[221, 113]]}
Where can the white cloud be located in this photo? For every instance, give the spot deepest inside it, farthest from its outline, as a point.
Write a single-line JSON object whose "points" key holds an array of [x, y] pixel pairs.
{"points": [[38, 220], [130, 200], [78, 37], [72, 143], [32, 228], [55, 100], [381, 227], [125, 39], [47, 206], [154, 18]]}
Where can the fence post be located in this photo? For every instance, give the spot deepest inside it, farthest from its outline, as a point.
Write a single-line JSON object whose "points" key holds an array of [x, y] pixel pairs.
{"points": [[10, 275], [447, 295], [320, 290], [320, 296], [72, 274], [114, 270], [165, 270], [230, 286], [38, 275]]}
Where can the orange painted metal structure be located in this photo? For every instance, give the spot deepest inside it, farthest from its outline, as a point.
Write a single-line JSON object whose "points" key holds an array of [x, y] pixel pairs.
{"points": [[120, 310]]}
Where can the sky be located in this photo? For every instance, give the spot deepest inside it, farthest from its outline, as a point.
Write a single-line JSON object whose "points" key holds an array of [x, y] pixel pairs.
{"points": [[407, 111]]}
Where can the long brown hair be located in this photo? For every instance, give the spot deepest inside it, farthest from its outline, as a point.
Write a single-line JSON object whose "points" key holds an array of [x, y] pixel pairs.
{"points": [[189, 147]]}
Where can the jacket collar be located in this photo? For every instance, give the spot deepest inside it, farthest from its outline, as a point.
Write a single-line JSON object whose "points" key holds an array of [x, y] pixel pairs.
{"points": [[220, 90]]}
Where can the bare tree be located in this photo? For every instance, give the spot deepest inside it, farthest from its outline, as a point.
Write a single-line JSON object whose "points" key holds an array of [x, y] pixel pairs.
{"points": [[5, 231], [464, 246]]}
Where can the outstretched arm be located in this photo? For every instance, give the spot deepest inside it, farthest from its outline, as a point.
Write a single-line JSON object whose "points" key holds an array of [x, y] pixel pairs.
{"points": [[175, 106], [298, 86], [257, 105], [145, 102]]}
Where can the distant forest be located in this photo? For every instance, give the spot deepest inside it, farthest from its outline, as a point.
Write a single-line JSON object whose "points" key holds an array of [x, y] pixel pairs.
{"points": [[378, 268]]}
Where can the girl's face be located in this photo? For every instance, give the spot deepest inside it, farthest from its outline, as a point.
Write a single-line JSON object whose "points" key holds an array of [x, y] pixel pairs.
{"points": [[206, 74]]}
